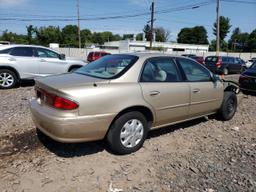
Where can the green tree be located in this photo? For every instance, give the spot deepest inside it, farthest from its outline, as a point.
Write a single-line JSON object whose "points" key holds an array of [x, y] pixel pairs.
{"points": [[127, 36], [162, 35], [147, 31], [47, 35], [97, 38], [70, 35], [117, 37], [195, 35], [238, 40], [14, 38], [107, 36], [139, 37], [252, 41], [86, 36], [224, 27], [31, 31]]}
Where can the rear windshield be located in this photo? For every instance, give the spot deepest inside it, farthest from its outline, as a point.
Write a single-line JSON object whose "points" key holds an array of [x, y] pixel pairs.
{"points": [[212, 59], [108, 67], [5, 51]]}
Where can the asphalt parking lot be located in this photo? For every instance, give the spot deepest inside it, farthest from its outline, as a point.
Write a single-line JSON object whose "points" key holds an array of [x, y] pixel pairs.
{"points": [[200, 155]]}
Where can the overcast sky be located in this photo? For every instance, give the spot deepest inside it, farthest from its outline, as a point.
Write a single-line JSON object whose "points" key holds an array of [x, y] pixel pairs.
{"points": [[242, 15]]}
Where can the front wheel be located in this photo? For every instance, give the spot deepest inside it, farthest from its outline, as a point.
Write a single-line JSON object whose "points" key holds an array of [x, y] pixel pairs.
{"points": [[225, 71], [228, 106], [8, 79], [128, 133]]}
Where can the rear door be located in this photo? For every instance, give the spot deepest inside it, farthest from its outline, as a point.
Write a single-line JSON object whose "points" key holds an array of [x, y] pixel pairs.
{"points": [[25, 61], [163, 90], [205, 95], [238, 64], [50, 63]]}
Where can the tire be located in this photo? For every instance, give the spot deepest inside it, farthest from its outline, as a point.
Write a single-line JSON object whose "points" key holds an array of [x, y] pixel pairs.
{"points": [[121, 138], [225, 71], [8, 79], [228, 106]]}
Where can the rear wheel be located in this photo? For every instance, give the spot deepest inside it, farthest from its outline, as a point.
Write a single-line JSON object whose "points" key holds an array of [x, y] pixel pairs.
{"points": [[8, 79], [128, 133], [228, 106]]}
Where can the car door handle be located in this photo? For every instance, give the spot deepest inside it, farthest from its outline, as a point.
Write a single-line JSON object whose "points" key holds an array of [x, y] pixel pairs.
{"points": [[42, 60], [12, 59], [196, 90], [152, 93]]}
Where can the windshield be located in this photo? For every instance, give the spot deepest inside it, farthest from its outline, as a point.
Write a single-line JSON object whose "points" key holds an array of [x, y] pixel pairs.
{"points": [[108, 67]]}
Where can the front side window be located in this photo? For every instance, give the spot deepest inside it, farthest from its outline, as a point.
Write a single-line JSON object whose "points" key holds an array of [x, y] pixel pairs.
{"points": [[160, 69], [194, 71], [46, 53], [108, 67], [22, 51]]}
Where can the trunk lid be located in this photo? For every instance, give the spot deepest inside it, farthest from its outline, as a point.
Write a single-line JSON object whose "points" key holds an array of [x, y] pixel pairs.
{"points": [[69, 80]]}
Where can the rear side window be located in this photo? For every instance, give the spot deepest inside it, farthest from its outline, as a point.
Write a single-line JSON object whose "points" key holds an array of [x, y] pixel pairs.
{"points": [[22, 51], [160, 69], [5, 51], [225, 59], [194, 72], [231, 60], [212, 59]]}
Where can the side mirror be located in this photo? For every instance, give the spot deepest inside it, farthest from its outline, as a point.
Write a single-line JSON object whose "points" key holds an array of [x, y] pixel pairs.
{"points": [[62, 56], [215, 77]]}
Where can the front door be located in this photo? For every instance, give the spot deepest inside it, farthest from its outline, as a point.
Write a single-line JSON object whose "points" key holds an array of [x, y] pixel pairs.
{"points": [[163, 90], [50, 63]]}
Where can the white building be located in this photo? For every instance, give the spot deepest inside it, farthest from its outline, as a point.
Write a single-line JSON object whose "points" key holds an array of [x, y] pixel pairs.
{"points": [[131, 45]]}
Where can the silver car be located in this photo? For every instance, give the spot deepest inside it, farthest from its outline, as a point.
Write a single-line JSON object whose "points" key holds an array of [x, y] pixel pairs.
{"points": [[19, 62], [121, 97]]}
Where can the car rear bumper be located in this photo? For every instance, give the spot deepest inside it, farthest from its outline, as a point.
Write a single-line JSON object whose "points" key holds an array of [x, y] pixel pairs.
{"points": [[71, 128]]}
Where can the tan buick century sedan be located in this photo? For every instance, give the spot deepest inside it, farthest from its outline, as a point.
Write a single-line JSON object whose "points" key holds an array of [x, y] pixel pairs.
{"points": [[121, 97]]}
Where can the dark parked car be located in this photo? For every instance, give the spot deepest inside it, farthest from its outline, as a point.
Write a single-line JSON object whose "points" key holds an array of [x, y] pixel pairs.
{"points": [[247, 80], [188, 55], [94, 55], [224, 64], [199, 59]]}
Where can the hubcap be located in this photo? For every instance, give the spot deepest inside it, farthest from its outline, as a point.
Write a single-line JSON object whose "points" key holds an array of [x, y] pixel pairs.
{"points": [[131, 133], [230, 106], [6, 79]]}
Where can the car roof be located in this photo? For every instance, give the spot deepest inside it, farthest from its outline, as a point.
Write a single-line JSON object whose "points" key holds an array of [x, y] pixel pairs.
{"points": [[148, 54], [20, 45]]}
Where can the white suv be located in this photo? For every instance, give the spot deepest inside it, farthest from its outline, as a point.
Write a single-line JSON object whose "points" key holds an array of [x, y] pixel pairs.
{"points": [[19, 62]]}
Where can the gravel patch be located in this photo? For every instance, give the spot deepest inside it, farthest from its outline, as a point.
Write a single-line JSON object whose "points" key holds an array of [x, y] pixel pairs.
{"points": [[200, 155]]}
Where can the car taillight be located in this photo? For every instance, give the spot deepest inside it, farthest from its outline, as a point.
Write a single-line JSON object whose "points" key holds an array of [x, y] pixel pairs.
{"points": [[219, 63], [62, 103], [55, 101]]}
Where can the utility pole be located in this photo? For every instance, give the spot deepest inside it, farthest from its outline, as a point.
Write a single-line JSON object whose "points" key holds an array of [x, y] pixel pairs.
{"points": [[218, 28], [152, 22], [78, 24]]}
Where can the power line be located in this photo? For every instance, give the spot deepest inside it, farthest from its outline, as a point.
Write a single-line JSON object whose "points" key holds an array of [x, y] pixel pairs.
{"points": [[239, 1], [176, 9]]}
